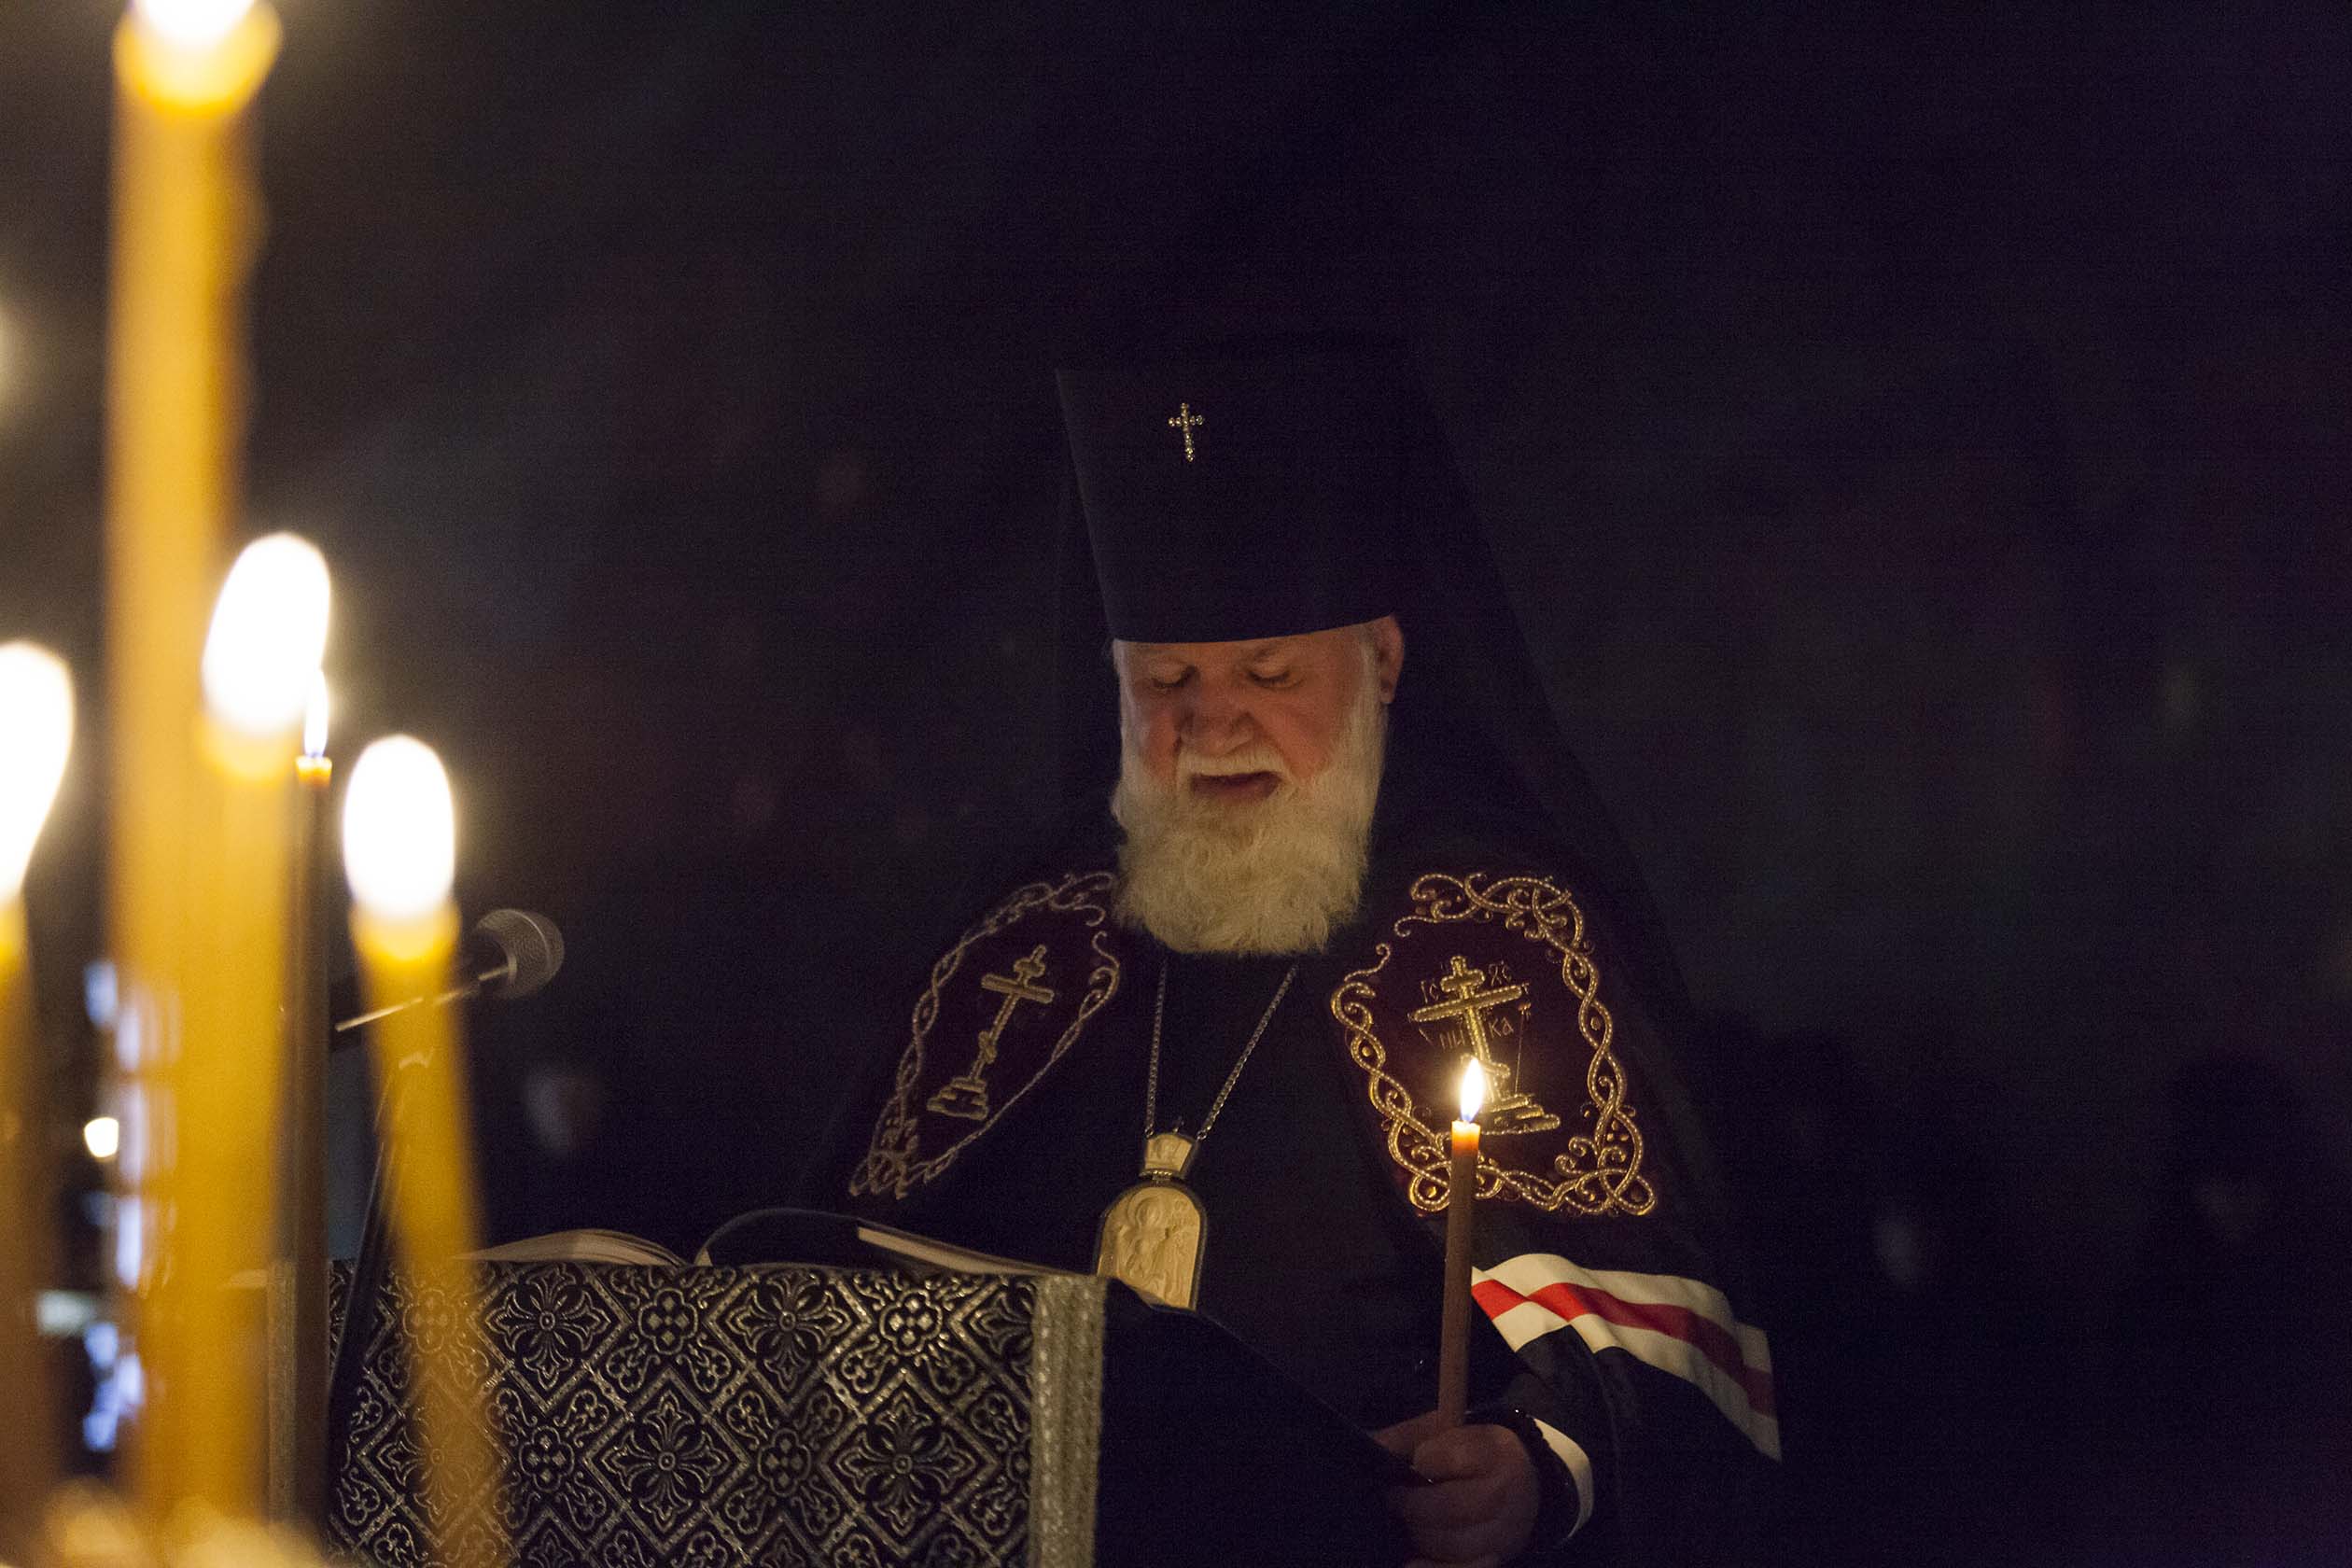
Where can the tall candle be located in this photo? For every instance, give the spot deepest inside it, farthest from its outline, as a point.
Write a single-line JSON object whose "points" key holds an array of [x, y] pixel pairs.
{"points": [[267, 634], [399, 854], [37, 731], [184, 224], [298, 1303], [1462, 1200]]}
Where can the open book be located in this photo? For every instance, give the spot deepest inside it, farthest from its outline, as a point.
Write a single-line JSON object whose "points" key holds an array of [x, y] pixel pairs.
{"points": [[800, 1235]]}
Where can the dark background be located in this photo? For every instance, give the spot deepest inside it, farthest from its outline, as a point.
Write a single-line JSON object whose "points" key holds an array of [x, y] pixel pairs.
{"points": [[1918, 448]]}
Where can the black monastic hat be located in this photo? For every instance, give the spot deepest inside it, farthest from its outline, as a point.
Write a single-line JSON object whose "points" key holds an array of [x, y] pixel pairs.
{"points": [[1241, 496]]}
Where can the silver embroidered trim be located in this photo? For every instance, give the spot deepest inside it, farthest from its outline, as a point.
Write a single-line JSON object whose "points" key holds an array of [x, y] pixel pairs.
{"points": [[1065, 1419]]}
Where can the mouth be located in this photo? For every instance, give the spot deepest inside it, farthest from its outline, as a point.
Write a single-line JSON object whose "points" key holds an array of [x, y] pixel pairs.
{"points": [[1235, 786]]}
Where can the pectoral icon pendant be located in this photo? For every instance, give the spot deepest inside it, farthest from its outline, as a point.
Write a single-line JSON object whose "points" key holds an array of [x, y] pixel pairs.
{"points": [[1154, 1234]]}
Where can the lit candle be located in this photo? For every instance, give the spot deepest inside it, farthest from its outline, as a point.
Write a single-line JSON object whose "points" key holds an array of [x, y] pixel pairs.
{"points": [[102, 1136], [1462, 1198], [267, 631], [297, 1283], [185, 219], [37, 731], [37, 735], [400, 852]]}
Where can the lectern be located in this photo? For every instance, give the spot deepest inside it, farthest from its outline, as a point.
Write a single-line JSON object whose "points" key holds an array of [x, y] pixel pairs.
{"points": [[826, 1415]]}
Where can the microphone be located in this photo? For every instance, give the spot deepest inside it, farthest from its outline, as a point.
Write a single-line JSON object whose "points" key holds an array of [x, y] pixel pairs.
{"points": [[529, 951]]}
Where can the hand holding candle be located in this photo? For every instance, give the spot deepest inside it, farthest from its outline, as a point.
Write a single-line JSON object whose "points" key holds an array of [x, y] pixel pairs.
{"points": [[1462, 1192]]}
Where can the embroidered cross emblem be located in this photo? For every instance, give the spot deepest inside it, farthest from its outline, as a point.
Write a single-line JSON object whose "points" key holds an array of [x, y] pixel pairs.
{"points": [[1186, 422], [967, 1096], [1022, 987], [1470, 999]]}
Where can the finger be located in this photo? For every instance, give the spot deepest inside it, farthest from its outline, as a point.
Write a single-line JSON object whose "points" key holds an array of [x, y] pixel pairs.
{"points": [[1464, 1451], [1429, 1508], [1446, 1506], [1407, 1435]]}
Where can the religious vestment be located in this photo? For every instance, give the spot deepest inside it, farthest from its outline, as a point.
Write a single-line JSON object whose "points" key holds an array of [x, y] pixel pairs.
{"points": [[1279, 489], [1324, 1178]]}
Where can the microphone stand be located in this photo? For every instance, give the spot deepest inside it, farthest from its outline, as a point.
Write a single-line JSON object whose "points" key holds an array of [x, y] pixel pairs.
{"points": [[466, 992], [363, 1300], [372, 1267]]}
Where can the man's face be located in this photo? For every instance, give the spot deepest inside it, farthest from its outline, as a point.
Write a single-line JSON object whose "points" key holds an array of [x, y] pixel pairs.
{"points": [[1233, 719], [1248, 776]]}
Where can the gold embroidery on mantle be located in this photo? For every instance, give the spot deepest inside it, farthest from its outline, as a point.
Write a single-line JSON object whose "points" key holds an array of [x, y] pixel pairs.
{"points": [[890, 1165], [1600, 1171], [1470, 995], [966, 1095]]}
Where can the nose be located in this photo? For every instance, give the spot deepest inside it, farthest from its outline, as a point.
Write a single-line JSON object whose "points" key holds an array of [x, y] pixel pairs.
{"points": [[1213, 724]]}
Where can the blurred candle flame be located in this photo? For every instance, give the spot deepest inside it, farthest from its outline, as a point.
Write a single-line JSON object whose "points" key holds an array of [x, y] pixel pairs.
{"points": [[192, 23], [269, 628], [1474, 1087], [399, 831], [36, 734], [103, 1137], [315, 715]]}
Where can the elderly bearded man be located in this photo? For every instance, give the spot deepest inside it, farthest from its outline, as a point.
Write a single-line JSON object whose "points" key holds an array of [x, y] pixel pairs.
{"points": [[1212, 1044]]}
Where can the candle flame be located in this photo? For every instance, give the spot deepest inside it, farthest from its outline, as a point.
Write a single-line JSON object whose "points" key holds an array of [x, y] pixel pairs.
{"points": [[267, 629], [1474, 1087], [399, 831], [37, 735], [192, 23], [103, 1137], [314, 714]]}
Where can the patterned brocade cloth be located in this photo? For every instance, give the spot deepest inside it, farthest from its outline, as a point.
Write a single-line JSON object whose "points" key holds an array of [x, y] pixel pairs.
{"points": [[779, 1414]]}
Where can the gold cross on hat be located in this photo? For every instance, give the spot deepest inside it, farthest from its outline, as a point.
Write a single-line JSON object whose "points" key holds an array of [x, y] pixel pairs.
{"points": [[1183, 419]]}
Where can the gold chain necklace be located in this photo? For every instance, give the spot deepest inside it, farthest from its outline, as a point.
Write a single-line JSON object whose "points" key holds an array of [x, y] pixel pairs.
{"points": [[1154, 1234]]}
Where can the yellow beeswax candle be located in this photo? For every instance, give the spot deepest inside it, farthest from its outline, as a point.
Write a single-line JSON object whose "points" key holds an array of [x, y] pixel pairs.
{"points": [[207, 1350], [1462, 1198], [185, 218], [400, 853], [298, 1303]]}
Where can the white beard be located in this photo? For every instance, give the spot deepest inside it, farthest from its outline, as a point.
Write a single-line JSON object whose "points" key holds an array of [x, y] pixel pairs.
{"points": [[1273, 876]]}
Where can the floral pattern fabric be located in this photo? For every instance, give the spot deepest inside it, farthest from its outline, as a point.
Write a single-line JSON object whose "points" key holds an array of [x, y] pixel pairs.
{"points": [[769, 1415]]}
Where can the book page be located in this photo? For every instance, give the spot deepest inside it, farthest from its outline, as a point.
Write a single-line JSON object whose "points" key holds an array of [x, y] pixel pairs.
{"points": [[922, 1250], [584, 1246]]}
